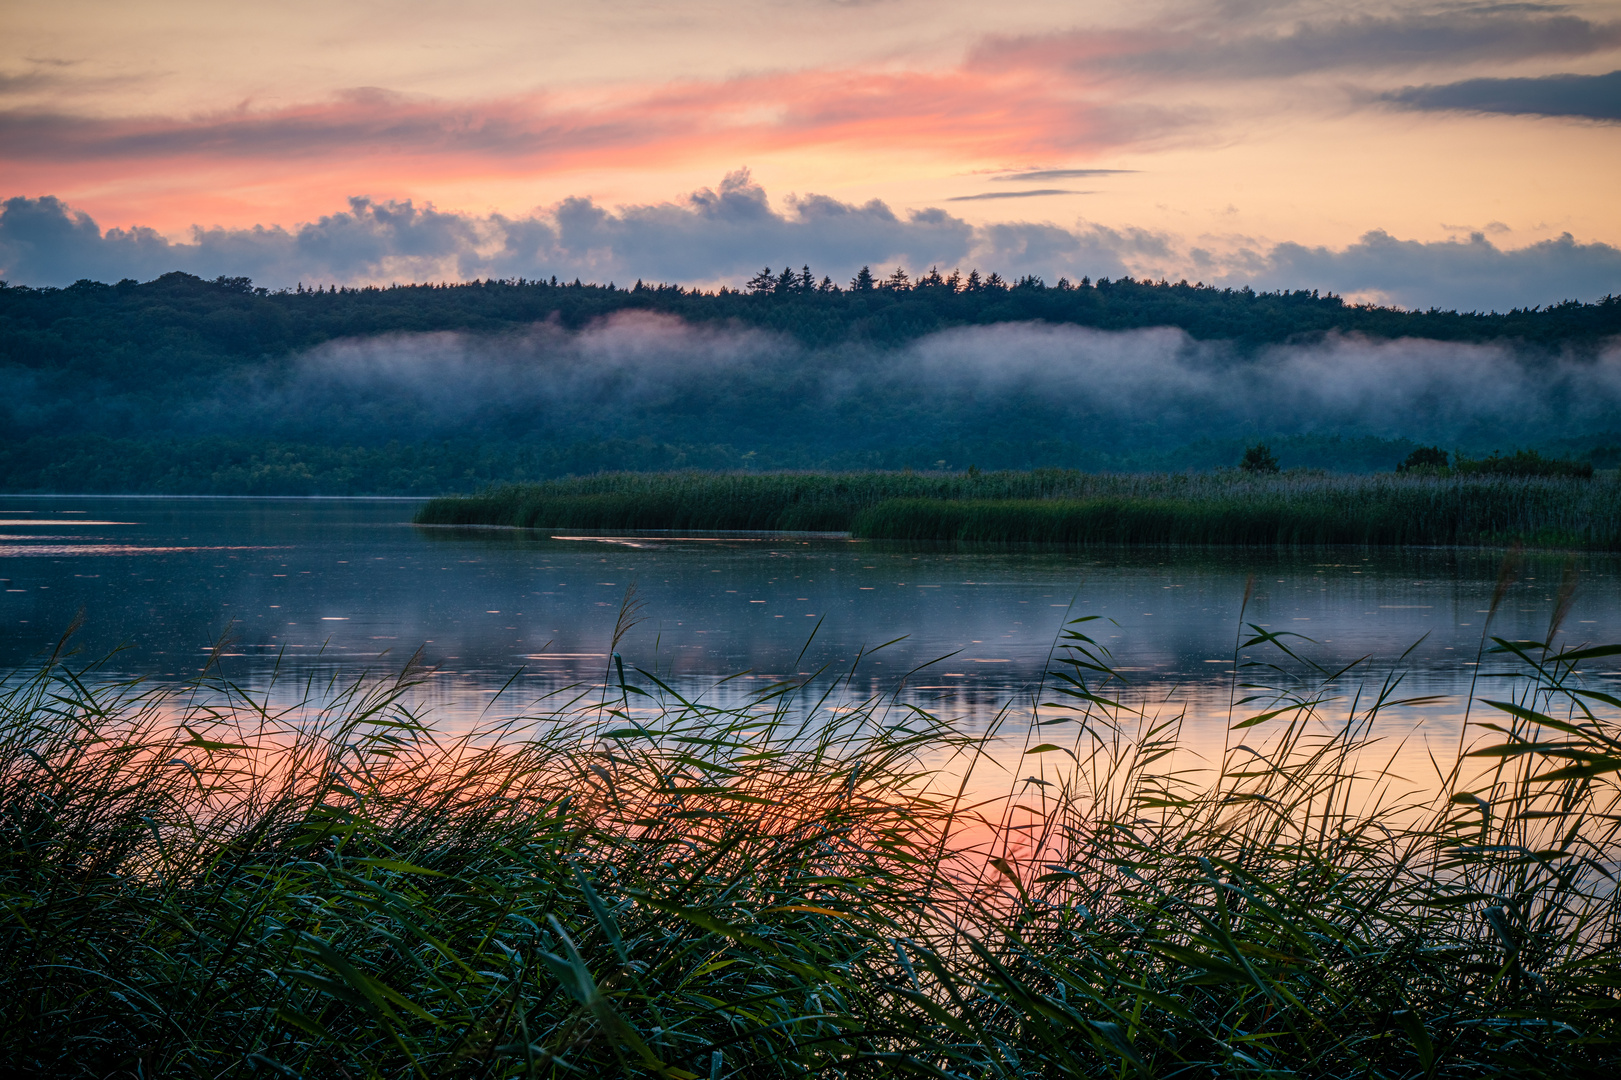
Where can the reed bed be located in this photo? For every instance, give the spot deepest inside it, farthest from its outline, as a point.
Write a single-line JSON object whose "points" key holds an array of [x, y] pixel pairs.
{"points": [[632, 883], [692, 500], [1069, 507]]}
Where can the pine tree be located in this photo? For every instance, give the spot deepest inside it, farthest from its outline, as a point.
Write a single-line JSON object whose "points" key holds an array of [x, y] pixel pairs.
{"points": [[898, 281], [974, 284], [763, 282], [863, 281]]}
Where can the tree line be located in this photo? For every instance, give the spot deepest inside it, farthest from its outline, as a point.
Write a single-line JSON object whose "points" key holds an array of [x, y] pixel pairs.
{"points": [[179, 322], [803, 282]]}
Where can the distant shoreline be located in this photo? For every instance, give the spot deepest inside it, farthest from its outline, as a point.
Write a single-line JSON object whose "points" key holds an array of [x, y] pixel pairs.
{"points": [[1071, 509]]}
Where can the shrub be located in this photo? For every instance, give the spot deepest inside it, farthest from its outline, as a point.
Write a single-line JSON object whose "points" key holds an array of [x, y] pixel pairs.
{"points": [[1425, 457], [1259, 459], [1525, 463]]}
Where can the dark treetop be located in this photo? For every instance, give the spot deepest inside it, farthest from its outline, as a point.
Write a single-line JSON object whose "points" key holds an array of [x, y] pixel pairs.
{"points": [[175, 321]]}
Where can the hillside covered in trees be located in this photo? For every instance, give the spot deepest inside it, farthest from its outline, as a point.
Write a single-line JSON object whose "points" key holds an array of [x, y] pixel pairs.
{"points": [[178, 315], [184, 384]]}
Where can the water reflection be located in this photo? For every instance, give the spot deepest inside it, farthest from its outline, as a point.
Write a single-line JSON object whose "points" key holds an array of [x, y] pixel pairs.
{"points": [[314, 587]]}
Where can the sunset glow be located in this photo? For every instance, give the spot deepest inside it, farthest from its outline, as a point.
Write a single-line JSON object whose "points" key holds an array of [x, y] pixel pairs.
{"points": [[1193, 138]]}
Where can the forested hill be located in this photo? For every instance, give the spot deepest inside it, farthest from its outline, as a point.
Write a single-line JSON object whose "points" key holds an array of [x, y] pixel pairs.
{"points": [[179, 319], [185, 385]]}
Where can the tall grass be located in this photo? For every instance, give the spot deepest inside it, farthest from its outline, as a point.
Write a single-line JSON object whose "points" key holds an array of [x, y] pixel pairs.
{"points": [[633, 883], [1068, 507], [804, 501]]}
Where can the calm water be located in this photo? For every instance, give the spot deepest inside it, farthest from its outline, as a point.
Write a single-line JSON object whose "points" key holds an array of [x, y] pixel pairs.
{"points": [[340, 585]]}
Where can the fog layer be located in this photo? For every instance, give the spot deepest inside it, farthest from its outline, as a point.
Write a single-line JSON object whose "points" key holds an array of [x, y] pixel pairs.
{"points": [[638, 375]]}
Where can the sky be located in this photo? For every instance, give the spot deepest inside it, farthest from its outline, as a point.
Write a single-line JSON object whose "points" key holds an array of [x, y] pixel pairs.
{"points": [[1453, 154]]}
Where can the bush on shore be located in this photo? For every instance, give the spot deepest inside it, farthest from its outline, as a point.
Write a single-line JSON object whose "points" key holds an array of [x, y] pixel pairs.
{"points": [[1524, 463]]}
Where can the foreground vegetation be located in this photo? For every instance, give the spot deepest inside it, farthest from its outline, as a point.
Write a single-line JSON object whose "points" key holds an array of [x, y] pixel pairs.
{"points": [[629, 883], [1069, 507]]}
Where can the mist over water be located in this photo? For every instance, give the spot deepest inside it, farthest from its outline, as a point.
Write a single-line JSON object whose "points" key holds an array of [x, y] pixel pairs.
{"points": [[640, 374]]}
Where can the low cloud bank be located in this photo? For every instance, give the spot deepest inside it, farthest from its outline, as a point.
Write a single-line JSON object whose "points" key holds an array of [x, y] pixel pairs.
{"points": [[638, 374], [728, 233]]}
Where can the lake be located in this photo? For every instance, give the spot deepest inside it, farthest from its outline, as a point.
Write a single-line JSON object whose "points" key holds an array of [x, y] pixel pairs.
{"points": [[324, 587]]}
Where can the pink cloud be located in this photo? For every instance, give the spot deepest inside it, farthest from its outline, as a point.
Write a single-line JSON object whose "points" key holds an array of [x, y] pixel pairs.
{"points": [[1057, 98], [369, 139]]}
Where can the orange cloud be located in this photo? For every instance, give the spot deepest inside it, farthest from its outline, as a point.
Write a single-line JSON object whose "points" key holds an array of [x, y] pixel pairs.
{"points": [[379, 142], [1066, 97]]}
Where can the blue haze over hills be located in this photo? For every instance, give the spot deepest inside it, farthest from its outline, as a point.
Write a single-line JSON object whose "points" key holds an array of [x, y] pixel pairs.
{"points": [[181, 384]]}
